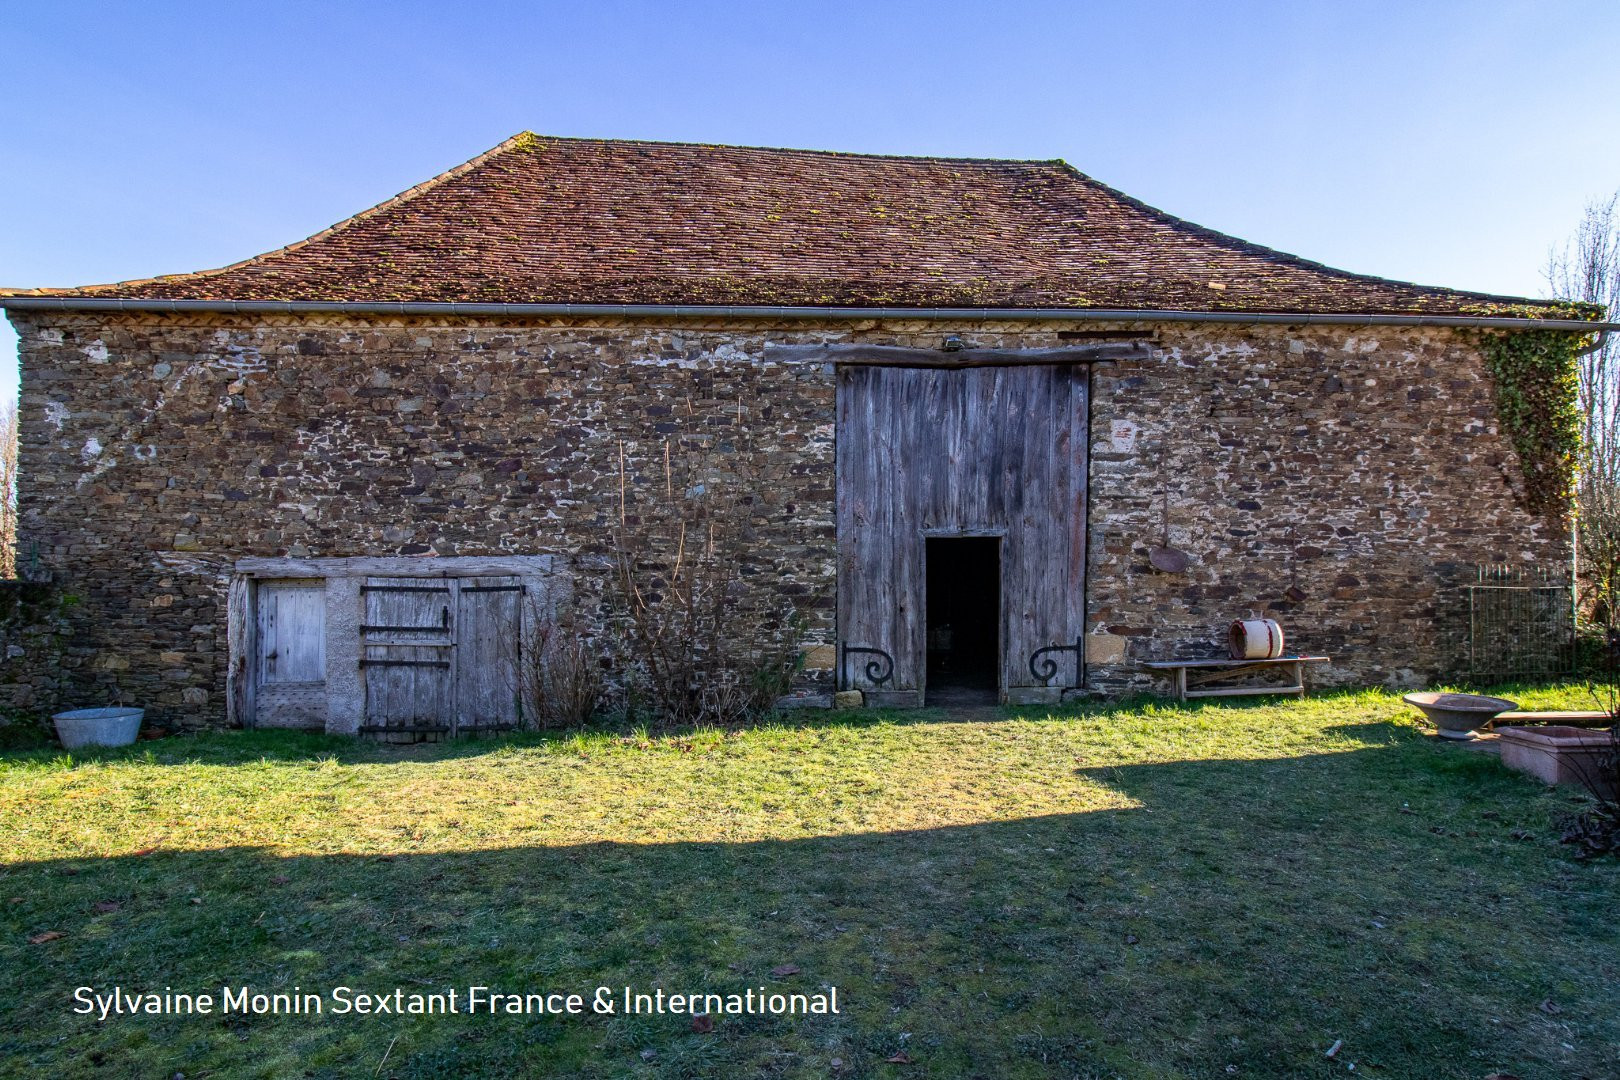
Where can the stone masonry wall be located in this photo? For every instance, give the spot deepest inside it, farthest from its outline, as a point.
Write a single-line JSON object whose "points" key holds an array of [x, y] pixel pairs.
{"points": [[1341, 482], [36, 647], [157, 452]]}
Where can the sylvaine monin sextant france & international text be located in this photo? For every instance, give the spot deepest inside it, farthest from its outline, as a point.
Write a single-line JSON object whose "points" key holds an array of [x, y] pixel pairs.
{"points": [[471, 1000]]}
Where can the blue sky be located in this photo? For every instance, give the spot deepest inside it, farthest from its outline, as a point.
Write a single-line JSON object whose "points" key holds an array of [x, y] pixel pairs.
{"points": [[1447, 143]]}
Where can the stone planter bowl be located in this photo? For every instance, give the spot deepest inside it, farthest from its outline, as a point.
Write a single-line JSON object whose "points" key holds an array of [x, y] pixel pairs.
{"points": [[116, 726], [1458, 716]]}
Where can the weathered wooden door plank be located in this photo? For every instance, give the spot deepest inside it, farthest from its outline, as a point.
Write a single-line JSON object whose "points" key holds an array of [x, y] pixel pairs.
{"points": [[289, 668], [406, 624], [488, 631], [900, 356]]}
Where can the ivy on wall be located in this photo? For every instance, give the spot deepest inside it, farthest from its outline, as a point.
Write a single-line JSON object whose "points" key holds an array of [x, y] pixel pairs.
{"points": [[1537, 375]]}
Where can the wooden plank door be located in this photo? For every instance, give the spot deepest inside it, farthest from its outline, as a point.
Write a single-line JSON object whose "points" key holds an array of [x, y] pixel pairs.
{"points": [[488, 626], [990, 451], [290, 653], [407, 654]]}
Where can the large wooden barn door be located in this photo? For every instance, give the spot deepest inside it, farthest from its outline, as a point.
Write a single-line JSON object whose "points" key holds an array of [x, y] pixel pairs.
{"points": [[986, 451]]}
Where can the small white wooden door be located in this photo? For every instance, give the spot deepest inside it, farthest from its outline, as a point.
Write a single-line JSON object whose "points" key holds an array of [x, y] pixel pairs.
{"points": [[290, 660]]}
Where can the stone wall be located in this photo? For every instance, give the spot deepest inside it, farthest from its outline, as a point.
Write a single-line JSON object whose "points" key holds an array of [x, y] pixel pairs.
{"points": [[157, 452], [1338, 481], [1344, 482], [38, 655]]}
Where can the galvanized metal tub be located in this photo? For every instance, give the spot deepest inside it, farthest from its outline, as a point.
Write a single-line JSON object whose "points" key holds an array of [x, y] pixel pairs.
{"points": [[112, 726]]}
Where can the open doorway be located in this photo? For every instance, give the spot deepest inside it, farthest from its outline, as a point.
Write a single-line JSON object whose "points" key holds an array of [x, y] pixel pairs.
{"points": [[964, 620]]}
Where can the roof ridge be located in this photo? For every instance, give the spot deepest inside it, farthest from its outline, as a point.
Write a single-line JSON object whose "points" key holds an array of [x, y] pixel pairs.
{"points": [[523, 140], [791, 150], [576, 219]]}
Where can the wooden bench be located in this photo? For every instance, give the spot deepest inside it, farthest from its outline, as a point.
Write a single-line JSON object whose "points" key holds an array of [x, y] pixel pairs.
{"points": [[1583, 718], [1208, 671]]}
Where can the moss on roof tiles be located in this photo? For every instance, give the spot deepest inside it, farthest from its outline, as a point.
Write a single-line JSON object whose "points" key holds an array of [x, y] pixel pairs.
{"points": [[539, 219]]}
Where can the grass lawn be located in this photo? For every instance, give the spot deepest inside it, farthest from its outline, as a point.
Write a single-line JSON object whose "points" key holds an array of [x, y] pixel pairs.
{"points": [[1134, 890]]}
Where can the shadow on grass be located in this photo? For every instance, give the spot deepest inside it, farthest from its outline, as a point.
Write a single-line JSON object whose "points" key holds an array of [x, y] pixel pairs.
{"points": [[1243, 914]]}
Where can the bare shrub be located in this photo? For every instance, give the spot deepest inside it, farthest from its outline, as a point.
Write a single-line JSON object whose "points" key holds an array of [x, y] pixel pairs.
{"points": [[561, 676], [1588, 268], [701, 645], [1597, 831]]}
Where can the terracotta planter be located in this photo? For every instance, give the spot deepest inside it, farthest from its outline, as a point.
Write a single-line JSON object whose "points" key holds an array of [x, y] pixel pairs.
{"points": [[1561, 755], [1581, 718]]}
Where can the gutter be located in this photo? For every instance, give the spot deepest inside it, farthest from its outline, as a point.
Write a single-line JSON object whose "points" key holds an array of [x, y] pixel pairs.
{"points": [[783, 311]]}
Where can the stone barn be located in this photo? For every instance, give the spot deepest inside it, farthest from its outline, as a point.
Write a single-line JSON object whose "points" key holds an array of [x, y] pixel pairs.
{"points": [[956, 408]]}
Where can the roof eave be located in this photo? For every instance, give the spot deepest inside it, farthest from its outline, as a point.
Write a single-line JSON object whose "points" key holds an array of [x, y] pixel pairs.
{"points": [[791, 311]]}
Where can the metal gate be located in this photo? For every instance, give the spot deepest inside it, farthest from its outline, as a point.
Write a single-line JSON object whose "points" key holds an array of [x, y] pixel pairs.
{"points": [[1521, 624]]}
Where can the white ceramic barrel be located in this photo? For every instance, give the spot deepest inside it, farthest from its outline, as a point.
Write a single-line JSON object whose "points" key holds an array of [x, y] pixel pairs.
{"points": [[1256, 639]]}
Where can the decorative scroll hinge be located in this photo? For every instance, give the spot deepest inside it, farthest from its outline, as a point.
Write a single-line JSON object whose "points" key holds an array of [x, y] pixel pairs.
{"points": [[1044, 668], [879, 670]]}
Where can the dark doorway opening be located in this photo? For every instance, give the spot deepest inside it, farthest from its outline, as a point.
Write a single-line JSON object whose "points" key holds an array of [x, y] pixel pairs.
{"points": [[964, 620]]}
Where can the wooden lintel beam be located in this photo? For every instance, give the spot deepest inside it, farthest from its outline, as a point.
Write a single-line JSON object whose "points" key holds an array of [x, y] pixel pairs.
{"points": [[902, 356], [397, 566]]}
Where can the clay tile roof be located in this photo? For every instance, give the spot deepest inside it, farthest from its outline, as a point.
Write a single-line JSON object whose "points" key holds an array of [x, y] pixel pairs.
{"points": [[545, 220]]}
